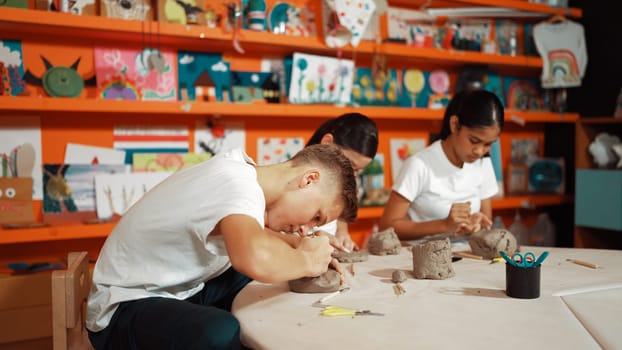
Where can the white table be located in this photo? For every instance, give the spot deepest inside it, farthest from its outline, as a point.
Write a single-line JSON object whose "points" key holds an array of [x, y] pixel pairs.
{"points": [[578, 308]]}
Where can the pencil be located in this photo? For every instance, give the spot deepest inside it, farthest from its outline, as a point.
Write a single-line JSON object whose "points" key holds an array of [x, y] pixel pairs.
{"points": [[468, 255], [583, 263]]}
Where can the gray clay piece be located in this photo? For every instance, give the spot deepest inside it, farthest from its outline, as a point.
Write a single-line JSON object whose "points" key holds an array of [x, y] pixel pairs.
{"points": [[329, 281], [488, 243], [398, 276], [432, 260], [384, 242], [352, 257]]}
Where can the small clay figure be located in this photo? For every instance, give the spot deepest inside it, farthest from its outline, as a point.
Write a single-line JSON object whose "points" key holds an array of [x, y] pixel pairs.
{"points": [[329, 281], [488, 243], [384, 242], [351, 257], [432, 260]]}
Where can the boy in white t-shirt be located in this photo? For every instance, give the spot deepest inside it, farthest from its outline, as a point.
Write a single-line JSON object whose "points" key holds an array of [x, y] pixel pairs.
{"points": [[447, 187], [167, 274]]}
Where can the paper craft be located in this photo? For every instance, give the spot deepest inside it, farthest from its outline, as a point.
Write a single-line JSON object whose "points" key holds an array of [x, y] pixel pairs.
{"points": [[116, 193], [320, 79], [401, 149], [60, 78], [16, 200], [125, 74], [277, 149], [215, 137], [354, 15], [69, 190], [20, 150], [11, 68], [83, 154], [166, 162], [203, 77], [150, 139]]}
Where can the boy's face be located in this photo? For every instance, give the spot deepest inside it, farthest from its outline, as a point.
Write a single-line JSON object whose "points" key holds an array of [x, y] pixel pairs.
{"points": [[312, 203]]}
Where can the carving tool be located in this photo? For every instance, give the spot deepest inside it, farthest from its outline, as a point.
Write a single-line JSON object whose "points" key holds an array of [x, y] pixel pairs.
{"points": [[468, 255], [584, 263], [324, 299]]}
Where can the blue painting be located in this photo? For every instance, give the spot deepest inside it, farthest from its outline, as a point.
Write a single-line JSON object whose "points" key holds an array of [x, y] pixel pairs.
{"points": [[203, 77], [11, 68]]}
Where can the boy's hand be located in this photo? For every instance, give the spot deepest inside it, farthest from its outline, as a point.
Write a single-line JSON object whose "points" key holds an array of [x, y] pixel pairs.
{"points": [[332, 239], [346, 242], [318, 251], [337, 266]]}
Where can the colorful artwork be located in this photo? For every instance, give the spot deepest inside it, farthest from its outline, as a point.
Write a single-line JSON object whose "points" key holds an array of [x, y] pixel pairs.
{"points": [[372, 181], [411, 26], [289, 19], [84, 154], [381, 90], [116, 193], [166, 162], [124, 74], [355, 16], [320, 79], [181, 11], [69, 190], [248, 87], [127, 9], [439, 84], [401, 149], [11, 68], [16, 200], [150, 139], [523, 93], [506, 33], [277, 149], [563, 69], [203, 77], [20, 150], [215, 137]]}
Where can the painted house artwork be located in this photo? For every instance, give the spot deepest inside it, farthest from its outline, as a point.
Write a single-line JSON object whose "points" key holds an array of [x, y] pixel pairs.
{"points": [[203, 77], [253, 87]]}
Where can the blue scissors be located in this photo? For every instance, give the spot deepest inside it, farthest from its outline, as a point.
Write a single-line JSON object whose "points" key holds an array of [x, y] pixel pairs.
{"points": [[524, 260]]}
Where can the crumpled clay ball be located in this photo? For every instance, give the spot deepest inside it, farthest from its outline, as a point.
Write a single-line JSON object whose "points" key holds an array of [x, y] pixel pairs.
{"points": [[432, 260], [488, 243], [384, 242], [398, 276], [329, 281]]}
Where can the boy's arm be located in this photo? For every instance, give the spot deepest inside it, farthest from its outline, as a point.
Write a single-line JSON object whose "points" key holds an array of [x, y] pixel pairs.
{"points": [[266, 258]]}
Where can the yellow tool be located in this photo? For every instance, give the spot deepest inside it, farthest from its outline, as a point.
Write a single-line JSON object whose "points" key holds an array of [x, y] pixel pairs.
{"points": [[333, 311]]}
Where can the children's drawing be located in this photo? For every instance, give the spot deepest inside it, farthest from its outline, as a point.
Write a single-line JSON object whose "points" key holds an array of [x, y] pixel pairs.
{"points": [[166, 162], [216, 137], [150, 139], [287, 18], [116, 193], [69, 189], [439, 84], [20, 150], [320, 79], [277, 149], [203, 77], [11, 68], [124, 74], [16, 200], [126, 9], [60, 81], [381, 90], [402, 149], [85, 154], [523, 93], [372, 181]]}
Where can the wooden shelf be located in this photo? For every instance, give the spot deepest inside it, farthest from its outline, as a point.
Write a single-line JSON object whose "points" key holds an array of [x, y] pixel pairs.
{"points": [[109, 107], [55, 233], [102, 29], [81, 231], [521, 5]]}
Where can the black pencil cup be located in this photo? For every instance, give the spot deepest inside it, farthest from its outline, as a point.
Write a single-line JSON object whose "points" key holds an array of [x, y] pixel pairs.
{"points": [[522, 282]]}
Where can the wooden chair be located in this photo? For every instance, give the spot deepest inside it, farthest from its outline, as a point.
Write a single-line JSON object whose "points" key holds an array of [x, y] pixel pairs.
{"points": [[70, 289]]}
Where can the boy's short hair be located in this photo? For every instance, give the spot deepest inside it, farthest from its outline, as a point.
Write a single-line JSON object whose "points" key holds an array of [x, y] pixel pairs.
{"points": [[340, 168]]}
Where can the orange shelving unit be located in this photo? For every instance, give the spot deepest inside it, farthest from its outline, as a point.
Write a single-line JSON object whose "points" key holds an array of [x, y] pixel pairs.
{"points": [[90, 120]]}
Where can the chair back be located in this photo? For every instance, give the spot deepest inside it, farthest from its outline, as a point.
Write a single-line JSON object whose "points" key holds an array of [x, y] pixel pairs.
{"points": [[70, 289]]}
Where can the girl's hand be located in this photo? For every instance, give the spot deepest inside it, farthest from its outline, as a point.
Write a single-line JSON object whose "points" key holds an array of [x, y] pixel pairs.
{"points": [[459, 215], [476, 222]]}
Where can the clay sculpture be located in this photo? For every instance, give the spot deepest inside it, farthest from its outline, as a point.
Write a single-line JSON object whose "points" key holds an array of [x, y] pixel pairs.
{"points": [[351, 257], [384, 242], [488, 243], [329, 281], [432, 260]]}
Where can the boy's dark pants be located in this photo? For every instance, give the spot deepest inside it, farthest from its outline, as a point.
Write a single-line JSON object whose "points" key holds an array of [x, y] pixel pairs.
{"points": [[203, 321]]}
